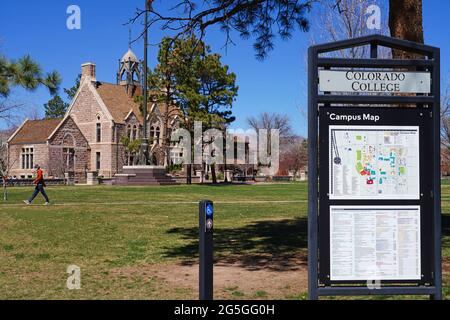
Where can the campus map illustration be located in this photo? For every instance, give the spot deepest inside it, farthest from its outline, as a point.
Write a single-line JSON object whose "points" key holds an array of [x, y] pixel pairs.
{"points": [[374, 162]]}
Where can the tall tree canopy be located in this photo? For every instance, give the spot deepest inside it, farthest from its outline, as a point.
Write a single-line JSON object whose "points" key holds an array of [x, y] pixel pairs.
{"points": [[195, 79], [208, 90], [202, 87], [262, 20]]}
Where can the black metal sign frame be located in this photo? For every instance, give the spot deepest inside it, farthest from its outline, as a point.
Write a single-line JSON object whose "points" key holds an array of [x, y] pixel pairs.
{"points": [[387, 117], [392, 112]]}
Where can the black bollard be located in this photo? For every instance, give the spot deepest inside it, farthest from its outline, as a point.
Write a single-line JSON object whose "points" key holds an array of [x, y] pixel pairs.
{"points": [[206, 223]]}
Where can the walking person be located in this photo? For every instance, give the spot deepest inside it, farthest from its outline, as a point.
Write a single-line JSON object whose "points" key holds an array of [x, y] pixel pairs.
{"points": [[40, 185]]}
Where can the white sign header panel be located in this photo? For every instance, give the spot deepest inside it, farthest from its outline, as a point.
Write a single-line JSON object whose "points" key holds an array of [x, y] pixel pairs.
{"points": [[374, 81]]}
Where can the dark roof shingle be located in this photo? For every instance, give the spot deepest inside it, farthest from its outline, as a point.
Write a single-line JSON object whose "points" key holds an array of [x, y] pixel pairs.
{"points": [[117, 101], [119, 104], [35, 131]]}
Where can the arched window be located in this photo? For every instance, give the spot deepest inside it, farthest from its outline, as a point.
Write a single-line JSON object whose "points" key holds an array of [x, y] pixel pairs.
{"points": [[68, 140], [135, 132], [98, 132], [135, 76], [129, 131], [157, 135], [152, 134]]}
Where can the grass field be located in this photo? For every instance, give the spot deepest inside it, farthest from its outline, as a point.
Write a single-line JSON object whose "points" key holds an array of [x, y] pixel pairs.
{"points": [[141, 242]]}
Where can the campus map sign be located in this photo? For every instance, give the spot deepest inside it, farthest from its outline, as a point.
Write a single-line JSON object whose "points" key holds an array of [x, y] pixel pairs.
{"points": [[374, 162], [375, 81], [374, 215]]}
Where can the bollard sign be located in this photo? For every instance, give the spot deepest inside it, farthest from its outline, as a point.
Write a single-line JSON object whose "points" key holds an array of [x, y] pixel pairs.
{"points": [[374, 81], [206, 260], [374, 128], [209, 212]]}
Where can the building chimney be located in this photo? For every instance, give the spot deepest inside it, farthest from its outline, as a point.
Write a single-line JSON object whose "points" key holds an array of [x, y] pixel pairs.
{"points": [[88, 70]]}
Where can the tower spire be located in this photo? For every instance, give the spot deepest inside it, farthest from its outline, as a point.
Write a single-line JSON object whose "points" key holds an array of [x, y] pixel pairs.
{"points": [[129, 37]]}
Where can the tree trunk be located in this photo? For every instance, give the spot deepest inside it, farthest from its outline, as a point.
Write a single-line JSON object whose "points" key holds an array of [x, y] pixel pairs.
{"points": [[406, 22], [5, 190], [213, 174], [166, 139], [189, 174]]}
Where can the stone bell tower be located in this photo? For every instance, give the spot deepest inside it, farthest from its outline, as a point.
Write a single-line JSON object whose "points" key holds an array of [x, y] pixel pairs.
{"points": [[129, 74]]}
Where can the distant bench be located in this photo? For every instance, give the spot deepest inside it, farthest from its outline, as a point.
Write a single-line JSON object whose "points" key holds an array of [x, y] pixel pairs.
{"points": [[243, 178], [282, 179]]}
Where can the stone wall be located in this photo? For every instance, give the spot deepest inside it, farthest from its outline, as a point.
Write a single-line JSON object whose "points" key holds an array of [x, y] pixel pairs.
{"points": [[40, 155], [69, 136], [87, 112]]}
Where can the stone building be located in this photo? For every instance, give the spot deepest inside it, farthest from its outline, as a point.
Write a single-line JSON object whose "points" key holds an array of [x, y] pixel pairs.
{"points": [[89, 138]]}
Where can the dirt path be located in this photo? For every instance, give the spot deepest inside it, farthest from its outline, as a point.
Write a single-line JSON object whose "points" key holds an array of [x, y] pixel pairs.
{"points": [[237, 280], [231, 280]]}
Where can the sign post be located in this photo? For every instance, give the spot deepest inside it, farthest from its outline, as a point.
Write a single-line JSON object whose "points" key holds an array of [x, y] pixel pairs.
{"points": [[374, 225], [206, 224]]}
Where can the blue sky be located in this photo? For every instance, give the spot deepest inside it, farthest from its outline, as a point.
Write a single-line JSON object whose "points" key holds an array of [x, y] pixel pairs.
{"points": [[277, 84]]}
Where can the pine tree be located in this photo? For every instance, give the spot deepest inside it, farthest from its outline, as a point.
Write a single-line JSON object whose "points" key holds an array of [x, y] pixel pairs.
{"points": [[55, 108], [193, 78], [25, 73], [72, 91], [207, 90]]}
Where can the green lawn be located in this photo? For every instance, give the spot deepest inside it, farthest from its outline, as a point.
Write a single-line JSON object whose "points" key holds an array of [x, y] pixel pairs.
{"points": [[118, 235]]}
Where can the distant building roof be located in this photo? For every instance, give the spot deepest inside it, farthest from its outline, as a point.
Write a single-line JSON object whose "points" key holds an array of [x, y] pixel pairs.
{"points": [[35, 131]]}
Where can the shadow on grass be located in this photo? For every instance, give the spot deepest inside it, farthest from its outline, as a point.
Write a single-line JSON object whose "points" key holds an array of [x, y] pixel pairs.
{"points": [[445, 234], [226, 184], [446, 224], [275, 245]]}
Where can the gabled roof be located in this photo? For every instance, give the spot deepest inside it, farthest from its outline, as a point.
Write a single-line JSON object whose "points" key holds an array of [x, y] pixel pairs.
{"points": [[34, 131], [117, 101], [120, 105]]}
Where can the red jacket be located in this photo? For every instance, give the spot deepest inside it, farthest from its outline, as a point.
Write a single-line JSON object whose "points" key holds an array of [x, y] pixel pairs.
{"points": [[40, 177]]}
